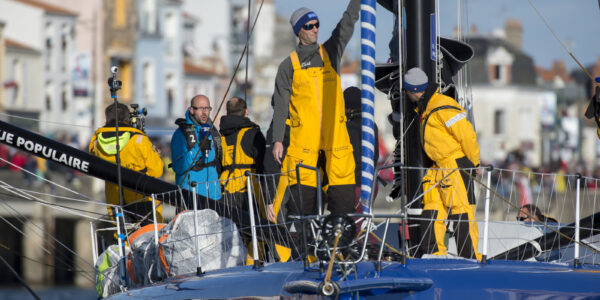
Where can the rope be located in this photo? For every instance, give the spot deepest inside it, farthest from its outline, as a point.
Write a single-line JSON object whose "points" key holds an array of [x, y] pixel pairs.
{"points": [[326, 283], [561, 43]]}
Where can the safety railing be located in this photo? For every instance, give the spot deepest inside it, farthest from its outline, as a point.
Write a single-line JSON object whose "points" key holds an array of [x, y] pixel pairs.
{"points": [[519, 215]]}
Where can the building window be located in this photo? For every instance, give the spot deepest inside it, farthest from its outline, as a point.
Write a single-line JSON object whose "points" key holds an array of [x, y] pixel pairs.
{"points": [[171, 28], [63, 97], [499, 122], [170, 98], [119, 14], [49, 92], [496, 72], [148, 82], [125, 77], [49, 46], [148, 18], [499, 74], [170, 86], [16, 72]]}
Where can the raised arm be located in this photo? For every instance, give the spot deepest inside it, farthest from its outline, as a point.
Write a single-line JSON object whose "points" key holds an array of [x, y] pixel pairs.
{"points": [[342, 33]]}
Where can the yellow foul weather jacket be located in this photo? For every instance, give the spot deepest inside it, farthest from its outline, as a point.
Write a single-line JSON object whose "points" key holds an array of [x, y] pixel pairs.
{"points": [[136, 153], [449, 140]]}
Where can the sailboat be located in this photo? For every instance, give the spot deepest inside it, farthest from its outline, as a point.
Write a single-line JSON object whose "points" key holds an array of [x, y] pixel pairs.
{"points": [[335, 259]]}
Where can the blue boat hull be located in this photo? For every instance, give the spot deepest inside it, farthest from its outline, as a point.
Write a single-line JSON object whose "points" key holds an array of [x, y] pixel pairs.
{"points": [[419, 279]]}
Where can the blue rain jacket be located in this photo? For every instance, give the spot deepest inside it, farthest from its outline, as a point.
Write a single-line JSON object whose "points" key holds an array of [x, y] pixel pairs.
{"points": [[183, 159]]}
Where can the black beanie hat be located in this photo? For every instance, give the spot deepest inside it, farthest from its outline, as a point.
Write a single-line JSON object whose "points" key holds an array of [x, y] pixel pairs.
{"points": [[352, 97], [122, 110]]}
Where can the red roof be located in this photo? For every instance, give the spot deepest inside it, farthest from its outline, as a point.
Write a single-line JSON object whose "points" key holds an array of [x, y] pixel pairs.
{"points": [[558, 69], [49, 8], [192, 69], [14, 44], [350, 68]]}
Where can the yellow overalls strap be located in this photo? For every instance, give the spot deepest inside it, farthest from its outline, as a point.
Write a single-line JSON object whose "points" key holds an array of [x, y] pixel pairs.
{"points": [[236, 163], [324, 56], [295, 61]]}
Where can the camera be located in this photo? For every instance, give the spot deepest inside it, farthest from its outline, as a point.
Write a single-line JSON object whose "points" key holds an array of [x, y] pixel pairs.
{"points": [[114, 85], [137, 117], [114, 69]]}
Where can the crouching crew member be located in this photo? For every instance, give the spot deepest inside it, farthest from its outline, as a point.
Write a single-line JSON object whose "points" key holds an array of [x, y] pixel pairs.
{"points": [[450, 142]]}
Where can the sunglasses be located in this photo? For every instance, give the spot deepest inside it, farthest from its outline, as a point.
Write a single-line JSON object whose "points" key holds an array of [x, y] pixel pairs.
{"points": [[310, 26], [202, 108]]}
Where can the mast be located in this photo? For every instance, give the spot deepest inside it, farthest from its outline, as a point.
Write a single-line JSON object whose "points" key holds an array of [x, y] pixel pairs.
{"points": [[421, 50], [367, 33]]}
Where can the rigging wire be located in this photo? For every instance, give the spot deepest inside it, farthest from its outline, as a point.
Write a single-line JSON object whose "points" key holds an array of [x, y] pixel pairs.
{"points": [[23, 217], [59, 207], [247, 56], [19, 278], [40, 121], [3, 246], [510, 203], [237, 67], [561, 42], [44, 249], [49, 181], [66, 209]]}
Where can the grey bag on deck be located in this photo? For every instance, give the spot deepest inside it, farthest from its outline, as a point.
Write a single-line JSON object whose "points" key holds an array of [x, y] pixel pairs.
{"points": [[219, 240]]}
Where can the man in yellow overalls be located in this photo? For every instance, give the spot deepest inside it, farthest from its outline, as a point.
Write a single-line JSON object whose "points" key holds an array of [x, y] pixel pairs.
{"points": [[450, 142], [136, 153], [309, 122], [243, 147], [243, 150]]}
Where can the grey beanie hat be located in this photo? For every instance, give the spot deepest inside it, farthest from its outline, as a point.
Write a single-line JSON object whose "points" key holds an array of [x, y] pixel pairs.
{"points": [[415, 80], [300, 17]]}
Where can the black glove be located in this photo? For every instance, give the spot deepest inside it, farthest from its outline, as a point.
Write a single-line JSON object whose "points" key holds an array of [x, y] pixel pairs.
{"points": [[190, 137], [205, 145]]}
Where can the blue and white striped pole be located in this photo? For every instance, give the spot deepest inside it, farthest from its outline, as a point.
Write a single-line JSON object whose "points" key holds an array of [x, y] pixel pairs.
{"points": [[367, 35]]}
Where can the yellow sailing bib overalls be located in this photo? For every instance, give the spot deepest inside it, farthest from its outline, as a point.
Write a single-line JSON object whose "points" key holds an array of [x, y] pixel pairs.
{"points": [[235, 163], [317, 122]]}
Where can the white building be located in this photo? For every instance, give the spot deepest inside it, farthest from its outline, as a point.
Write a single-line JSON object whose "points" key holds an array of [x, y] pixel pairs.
{"points": [[511, 112], [23, 84], [51, 31], [212, 32], [510, 118], [158, 62], [86, 70]]}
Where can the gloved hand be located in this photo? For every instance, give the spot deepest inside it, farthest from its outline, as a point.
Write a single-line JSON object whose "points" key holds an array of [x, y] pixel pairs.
{"points": [[395, 193], [190, 137], [205, 145]]}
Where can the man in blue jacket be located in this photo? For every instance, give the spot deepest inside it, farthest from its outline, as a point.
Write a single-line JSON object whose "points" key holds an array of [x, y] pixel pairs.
{"points": [[196, 150]]}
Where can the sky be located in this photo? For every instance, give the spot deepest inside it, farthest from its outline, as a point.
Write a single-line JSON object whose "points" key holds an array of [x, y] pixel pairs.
{"points": [[576, 22]]}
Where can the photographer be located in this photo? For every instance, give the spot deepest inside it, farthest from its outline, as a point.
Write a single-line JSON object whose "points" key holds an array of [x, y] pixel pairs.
{"points": [[136, 153], [196, 150]]}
